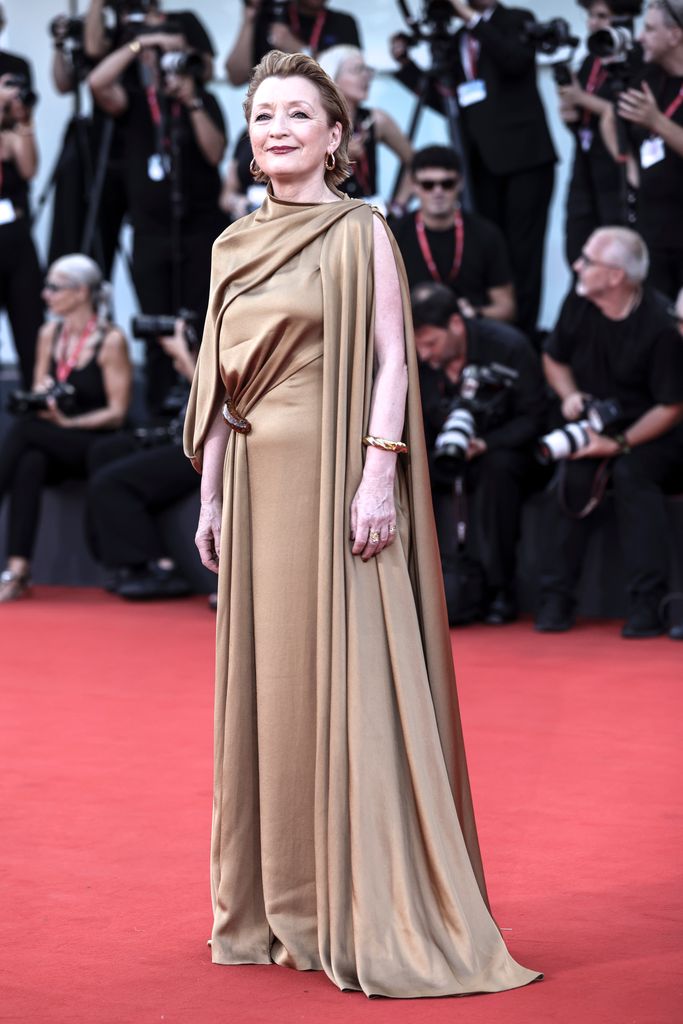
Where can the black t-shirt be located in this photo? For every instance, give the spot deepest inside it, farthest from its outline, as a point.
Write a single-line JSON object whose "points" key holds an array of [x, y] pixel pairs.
{"points": [[638, 361], [594, 167], [523, 418], [338, 29], [150, 200], [660, 196], [484, 256], [13, 186]]}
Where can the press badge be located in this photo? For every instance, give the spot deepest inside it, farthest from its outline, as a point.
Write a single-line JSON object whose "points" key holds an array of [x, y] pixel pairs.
{"points": [[155, 168], [7, 214], [585, 138], [472, 92], [652, 151]]}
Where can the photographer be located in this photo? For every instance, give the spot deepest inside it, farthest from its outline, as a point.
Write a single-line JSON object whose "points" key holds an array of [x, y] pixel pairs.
{"points": [[20, 274], [504, 134], [594, 196], [174, 141], [615, 340], [444, 243], [498, 464], [82, 359], [303, 26], [12, 63], [654, 111], [130, 484]]}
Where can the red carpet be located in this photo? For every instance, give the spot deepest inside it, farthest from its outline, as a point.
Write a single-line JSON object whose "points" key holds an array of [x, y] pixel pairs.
{"points": [[105, 717]]}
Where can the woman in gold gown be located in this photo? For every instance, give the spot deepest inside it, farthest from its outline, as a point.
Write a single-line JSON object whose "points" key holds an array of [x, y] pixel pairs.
{"points": [[343, 835]]}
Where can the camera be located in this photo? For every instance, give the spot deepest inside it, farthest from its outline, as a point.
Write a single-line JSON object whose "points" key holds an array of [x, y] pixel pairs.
{"points": [[600, 415], [23, 403], [24, 91], [63, 27], [549, 36], [151, 326], [154, 437], [177, 62], [621, 55], [481, 404]]}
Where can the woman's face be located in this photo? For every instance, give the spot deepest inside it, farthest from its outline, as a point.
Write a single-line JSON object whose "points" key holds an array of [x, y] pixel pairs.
{"points": [[354, 78], [289, 129], [599, 16], [62, 296]]}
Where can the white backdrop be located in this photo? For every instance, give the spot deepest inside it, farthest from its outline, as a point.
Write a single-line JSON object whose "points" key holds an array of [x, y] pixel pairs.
{"points": [[27, 34]]}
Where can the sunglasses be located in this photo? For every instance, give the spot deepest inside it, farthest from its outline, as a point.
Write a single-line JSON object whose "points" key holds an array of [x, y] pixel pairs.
{"points": [[588, 261], [50, 286], [447, 184]]}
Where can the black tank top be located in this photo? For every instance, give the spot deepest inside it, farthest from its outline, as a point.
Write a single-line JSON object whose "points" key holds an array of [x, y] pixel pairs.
{"points": [[13, 186], [363, 181], [87, 380]]}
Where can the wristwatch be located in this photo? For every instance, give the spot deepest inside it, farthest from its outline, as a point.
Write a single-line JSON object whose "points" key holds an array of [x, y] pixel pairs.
{"points": [[624, 446], [196, 104]]}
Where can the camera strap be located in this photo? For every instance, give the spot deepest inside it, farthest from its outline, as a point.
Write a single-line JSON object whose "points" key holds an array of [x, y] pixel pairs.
{"points": [[597, 489], [425, 249], [674, 105]]}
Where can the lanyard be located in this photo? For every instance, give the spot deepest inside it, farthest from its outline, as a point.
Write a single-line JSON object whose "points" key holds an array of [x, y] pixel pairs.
{"points": [[596, 79], [153, 103], [316, 31], [64, 365], [675, 104], [459, 231], [472, 54]]}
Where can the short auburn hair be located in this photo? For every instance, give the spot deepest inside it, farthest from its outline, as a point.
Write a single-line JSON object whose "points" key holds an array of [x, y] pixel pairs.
{"points": [[277, 64]]}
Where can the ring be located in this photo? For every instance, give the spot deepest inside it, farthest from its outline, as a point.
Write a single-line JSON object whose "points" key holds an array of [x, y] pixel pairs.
{"points": [[374, 537], [392, 528]]}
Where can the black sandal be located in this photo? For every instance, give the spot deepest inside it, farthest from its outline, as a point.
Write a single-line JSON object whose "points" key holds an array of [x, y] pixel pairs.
{"points": [[14, 585]]}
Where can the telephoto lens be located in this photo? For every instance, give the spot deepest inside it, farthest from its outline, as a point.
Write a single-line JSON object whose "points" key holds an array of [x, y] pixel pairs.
{"points": [[603, 413], [450, 447], [563, 442]]}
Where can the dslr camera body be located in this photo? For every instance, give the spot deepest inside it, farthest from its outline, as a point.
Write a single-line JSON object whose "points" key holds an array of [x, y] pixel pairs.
{"points": [[482, 403], [26, 403], [601, 415]]}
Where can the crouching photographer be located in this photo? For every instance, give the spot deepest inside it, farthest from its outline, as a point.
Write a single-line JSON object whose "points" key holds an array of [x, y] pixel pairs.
{"points": [[483, 402], [615, 361], [81, 388], [138, 474]]}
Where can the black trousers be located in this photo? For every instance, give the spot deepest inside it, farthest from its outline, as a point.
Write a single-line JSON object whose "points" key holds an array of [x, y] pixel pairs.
{"points": [[497, 484], [153, 280], [639, 482], [128, 487], [666, 271], [586, 211], [21, 282], [35, 453], [518, 204]]}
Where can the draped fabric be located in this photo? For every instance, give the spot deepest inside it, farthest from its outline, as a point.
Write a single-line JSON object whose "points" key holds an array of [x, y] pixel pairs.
{"points": [[343, 834]]}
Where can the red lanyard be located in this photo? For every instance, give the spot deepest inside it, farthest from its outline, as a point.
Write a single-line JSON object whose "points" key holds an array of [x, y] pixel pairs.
{"points": [[459, 230], [596, 79], [64, 365], [473, 54], [675, 104], [316, 31], [153, 103]]}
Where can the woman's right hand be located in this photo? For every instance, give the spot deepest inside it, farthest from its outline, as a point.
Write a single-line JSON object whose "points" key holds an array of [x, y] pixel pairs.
{"points": [[208, 535]]}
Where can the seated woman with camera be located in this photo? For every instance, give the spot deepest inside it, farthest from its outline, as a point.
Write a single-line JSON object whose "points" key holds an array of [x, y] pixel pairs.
{"points": [[81, 388]]}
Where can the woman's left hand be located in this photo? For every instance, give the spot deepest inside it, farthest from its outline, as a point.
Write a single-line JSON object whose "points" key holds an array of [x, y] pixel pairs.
{"points": [[373, 517], [53, 414]]}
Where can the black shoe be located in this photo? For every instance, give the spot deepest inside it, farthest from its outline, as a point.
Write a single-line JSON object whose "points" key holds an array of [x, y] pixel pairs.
{"points": [[555, 615], [154, 584], [643, 621], [117, 577], [502, 609], [676, 632]]}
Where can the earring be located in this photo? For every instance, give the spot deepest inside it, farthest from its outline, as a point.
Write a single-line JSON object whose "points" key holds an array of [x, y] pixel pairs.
{"points": [[330, 166], [254, 168]]}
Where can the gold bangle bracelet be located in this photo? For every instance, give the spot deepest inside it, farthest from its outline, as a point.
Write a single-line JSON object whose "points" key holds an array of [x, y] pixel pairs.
{"points": [[399, 447]]}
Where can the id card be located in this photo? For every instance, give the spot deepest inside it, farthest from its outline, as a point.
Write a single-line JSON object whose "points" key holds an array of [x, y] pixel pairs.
{"points": [[585, 138], [155, 167], [652, 151], [7, 212], [472, 92]]}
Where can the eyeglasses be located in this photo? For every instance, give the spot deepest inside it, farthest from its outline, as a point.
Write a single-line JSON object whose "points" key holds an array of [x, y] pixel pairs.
{"points": [[428, 184], [50, 286], [590, 262], [360, 69]]}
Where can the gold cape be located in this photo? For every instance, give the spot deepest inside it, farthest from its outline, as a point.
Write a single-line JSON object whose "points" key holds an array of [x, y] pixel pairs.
{"points": [[399, 900]]}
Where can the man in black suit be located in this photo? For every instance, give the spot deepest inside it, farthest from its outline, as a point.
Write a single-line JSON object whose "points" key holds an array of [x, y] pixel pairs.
{"points": [[504, 134]]}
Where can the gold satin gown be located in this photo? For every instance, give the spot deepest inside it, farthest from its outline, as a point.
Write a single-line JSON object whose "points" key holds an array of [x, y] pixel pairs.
{"points": [[343, 836]]}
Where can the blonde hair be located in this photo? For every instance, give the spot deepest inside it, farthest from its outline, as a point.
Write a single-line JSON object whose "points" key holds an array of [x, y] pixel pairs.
{"points": [[82, 271], [277, 64]]}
